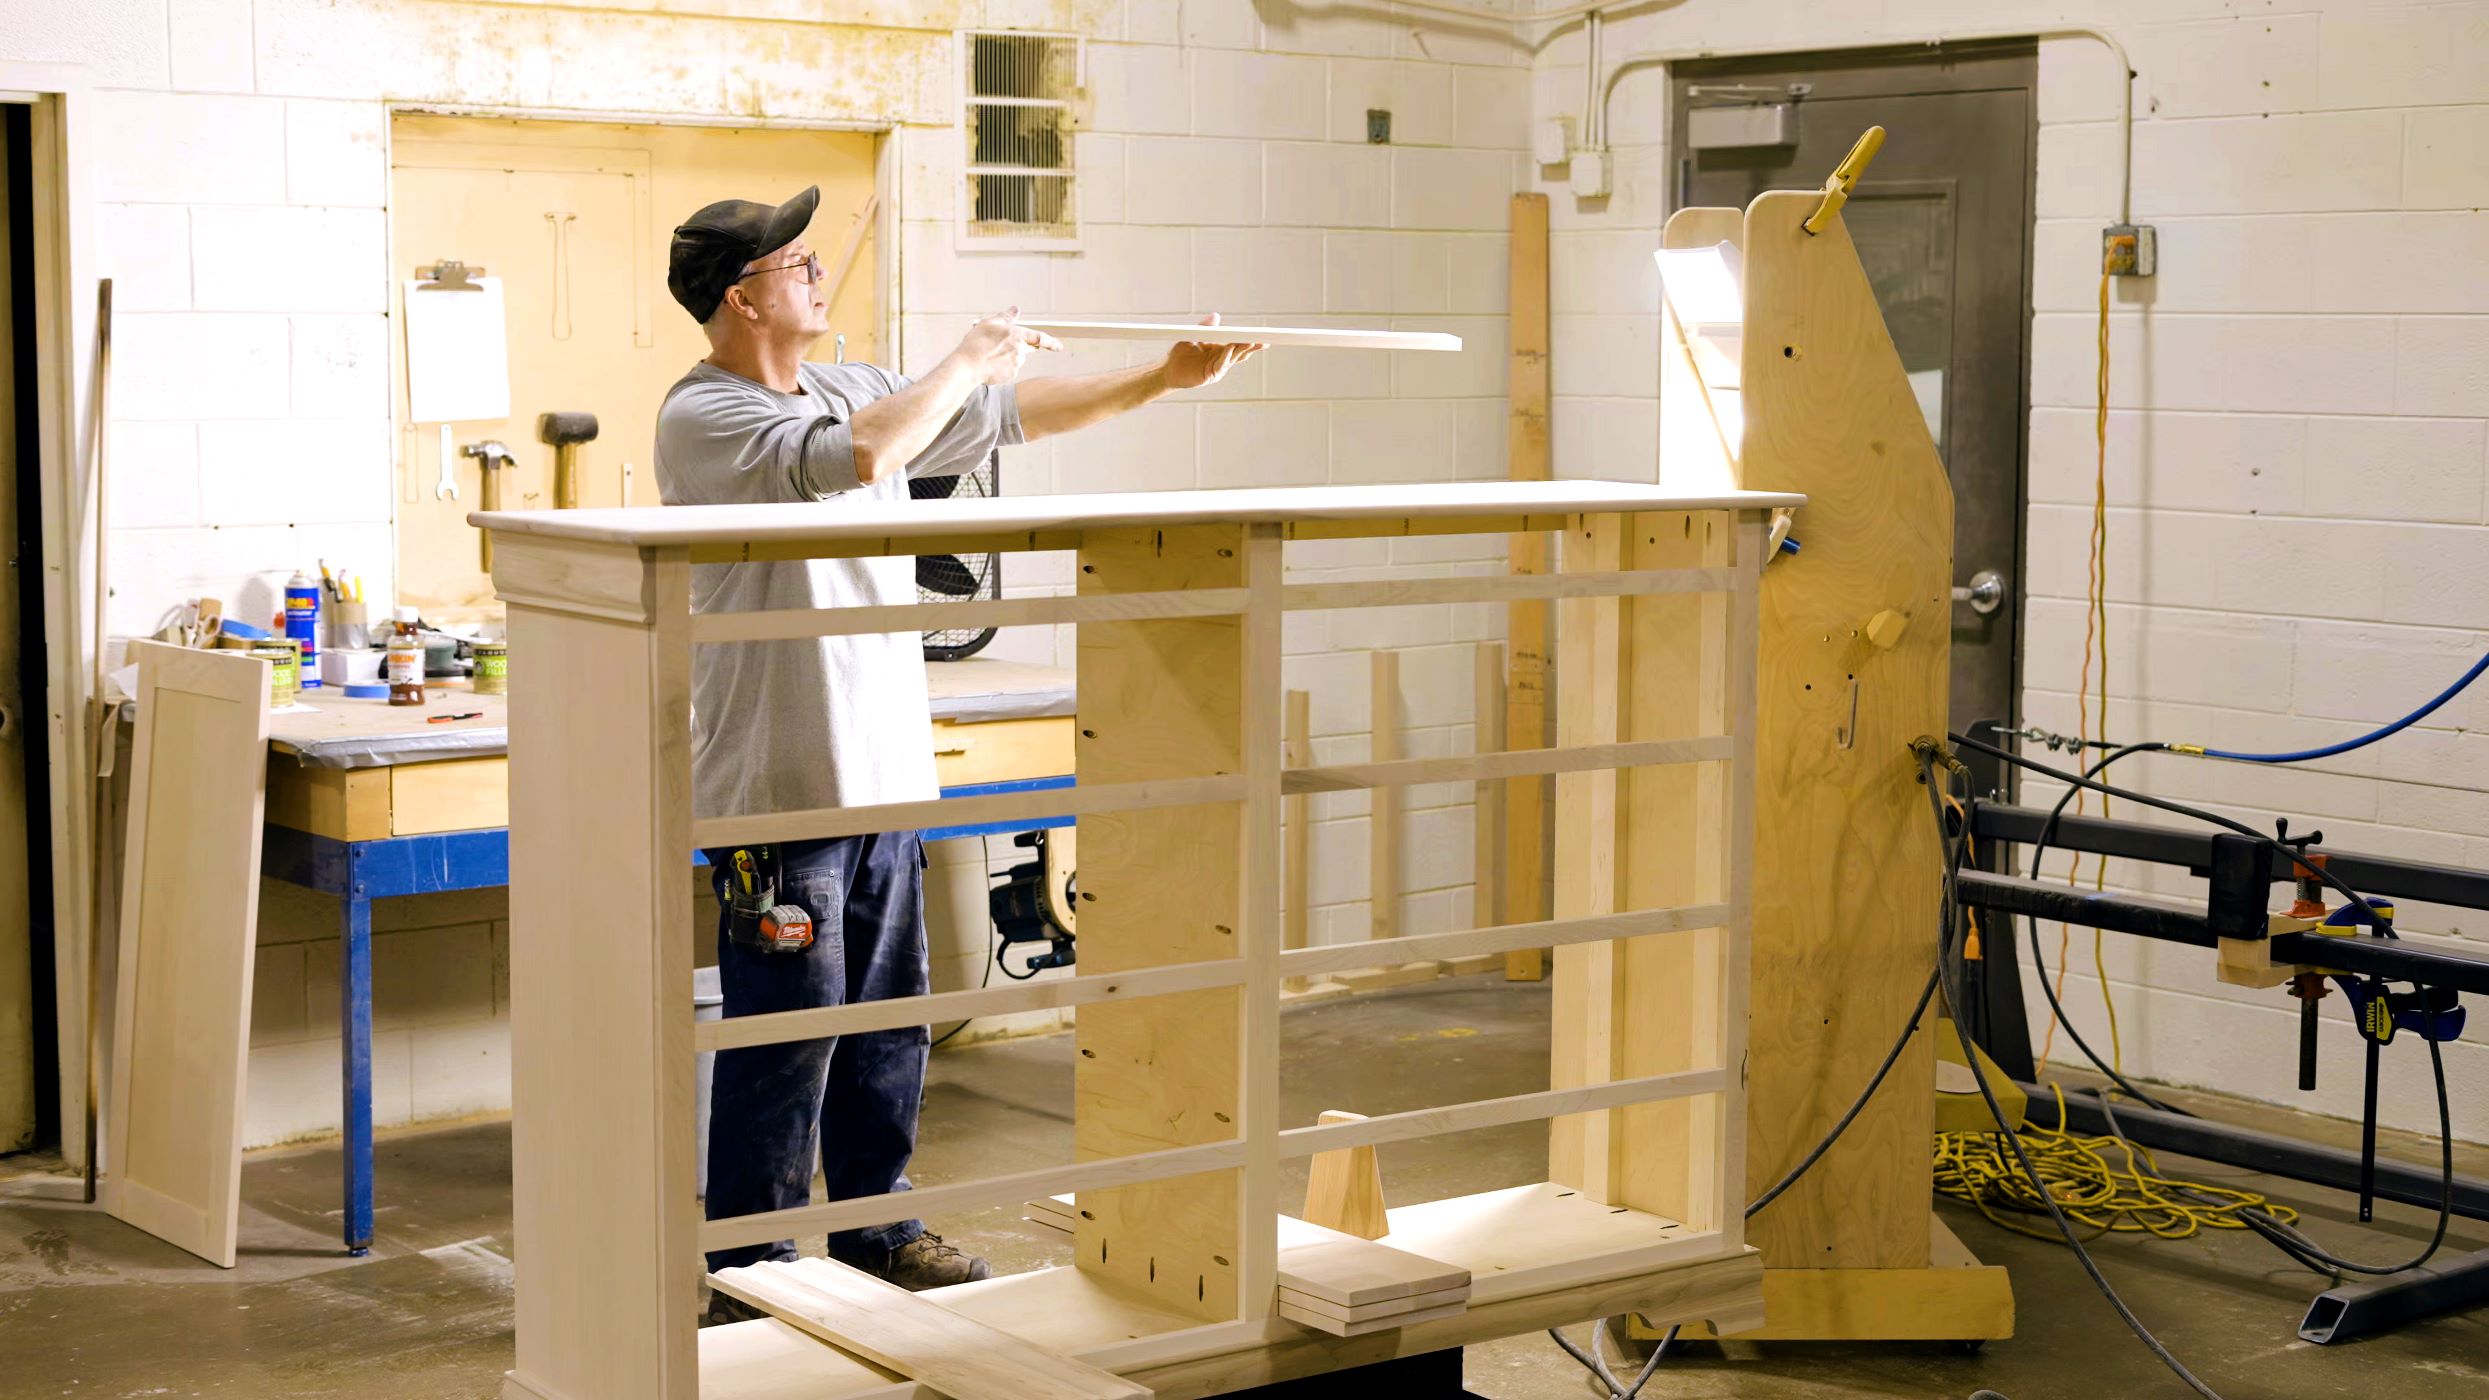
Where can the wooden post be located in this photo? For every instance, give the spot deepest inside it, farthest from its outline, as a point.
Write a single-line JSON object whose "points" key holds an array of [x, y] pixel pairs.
{"points": [[1383, 823], [1297, 817], [1525, 686], [600, 979], [1383, 836], [1257, 1048]]}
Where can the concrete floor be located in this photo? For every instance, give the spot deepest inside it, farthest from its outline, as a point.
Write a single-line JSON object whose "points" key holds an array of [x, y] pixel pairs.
{"points": [[90, 1308]]}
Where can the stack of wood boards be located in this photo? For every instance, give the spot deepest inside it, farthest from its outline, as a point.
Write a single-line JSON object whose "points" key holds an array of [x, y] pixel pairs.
{"points": [[1348, 1287], [917, 1337], [1334, 1282]]}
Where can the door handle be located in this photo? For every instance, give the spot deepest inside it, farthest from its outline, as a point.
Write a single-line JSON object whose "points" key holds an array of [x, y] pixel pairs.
{"points": [[1985, 592]]}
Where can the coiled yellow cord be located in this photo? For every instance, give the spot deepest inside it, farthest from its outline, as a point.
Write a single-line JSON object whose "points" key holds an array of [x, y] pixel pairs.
{"points": [[2103, 1183]]}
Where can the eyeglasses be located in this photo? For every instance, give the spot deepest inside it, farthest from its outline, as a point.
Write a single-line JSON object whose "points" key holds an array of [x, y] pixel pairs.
{"points": [[811, 266]]}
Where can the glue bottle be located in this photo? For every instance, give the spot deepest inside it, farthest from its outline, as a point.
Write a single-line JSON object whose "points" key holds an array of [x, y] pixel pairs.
{"points": [[405, 660], [302, 623]]}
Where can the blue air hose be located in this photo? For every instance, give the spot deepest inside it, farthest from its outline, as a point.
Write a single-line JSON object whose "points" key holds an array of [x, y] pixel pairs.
{"points": [[2363, 741]]}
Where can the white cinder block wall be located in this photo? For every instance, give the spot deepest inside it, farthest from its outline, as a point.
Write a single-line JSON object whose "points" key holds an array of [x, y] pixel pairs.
{"points": [[1225, 168], [2296, 440], [240, 177]]}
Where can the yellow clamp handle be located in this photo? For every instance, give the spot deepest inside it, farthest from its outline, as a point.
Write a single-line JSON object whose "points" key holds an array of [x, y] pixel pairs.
{"points": [[1845, 175]]}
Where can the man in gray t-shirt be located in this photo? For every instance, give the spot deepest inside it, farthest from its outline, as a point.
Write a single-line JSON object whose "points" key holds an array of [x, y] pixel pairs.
{"points": [[831, 721]]}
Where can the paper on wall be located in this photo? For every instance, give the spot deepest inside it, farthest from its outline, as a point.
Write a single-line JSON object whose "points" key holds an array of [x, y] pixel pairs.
{"points": [[457, 353]]}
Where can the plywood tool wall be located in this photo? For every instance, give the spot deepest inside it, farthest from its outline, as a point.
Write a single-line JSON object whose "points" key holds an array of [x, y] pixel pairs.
{"points": [[574, 219], [189, 916]]}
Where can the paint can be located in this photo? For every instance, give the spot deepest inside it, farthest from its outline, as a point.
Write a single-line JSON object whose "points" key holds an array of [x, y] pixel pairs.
{"points": [[492, 668], [284, 660]]}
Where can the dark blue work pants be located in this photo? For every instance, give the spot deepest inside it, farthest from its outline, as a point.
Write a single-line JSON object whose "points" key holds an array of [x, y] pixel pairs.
{"points": [[769, 1105]]}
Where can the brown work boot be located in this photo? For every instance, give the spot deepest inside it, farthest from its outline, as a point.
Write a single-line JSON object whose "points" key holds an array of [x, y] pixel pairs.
{"points": [[926, 1262], [725, 1308]]}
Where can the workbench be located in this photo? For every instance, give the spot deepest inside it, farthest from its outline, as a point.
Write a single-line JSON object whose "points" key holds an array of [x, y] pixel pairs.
{"points": [[372, 801]]}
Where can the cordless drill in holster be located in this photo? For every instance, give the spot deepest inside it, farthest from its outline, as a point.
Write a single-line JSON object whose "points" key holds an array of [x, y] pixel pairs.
{"points": [[754, 917]]}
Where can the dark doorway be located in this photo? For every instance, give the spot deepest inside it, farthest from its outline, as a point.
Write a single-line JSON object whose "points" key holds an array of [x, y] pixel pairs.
{"points": [[29, 1032], [1943, 223]]}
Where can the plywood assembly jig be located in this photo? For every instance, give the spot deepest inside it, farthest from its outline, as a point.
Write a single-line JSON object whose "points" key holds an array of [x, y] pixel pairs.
{"points": [[1188, 1278], [1778, 375]]}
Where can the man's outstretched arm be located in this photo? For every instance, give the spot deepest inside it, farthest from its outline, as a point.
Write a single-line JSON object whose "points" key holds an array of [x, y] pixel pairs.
{"points": [[1061, 404], [890, 431]]}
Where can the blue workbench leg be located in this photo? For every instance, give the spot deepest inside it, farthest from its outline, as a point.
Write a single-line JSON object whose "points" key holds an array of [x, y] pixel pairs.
{"points": [[354, 1019]]}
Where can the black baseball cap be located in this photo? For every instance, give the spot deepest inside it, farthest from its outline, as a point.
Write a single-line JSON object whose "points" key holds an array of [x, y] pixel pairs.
{"points": [[713, 246]]}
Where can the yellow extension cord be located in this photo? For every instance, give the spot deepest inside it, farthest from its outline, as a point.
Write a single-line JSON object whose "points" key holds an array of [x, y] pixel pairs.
{"points": [[2101, 1183], [2095, 625]]}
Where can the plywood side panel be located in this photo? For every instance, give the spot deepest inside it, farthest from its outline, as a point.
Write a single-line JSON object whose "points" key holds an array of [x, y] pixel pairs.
{"points": [[189, 923], [1847, 863], [1590, 701], [1668, 1155], [1161, 699]]}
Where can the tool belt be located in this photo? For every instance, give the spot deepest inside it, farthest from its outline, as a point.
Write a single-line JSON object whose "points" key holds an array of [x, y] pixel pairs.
{"points": [[754, 917]]}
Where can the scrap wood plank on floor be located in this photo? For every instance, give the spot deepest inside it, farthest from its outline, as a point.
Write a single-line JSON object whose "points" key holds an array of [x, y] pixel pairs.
{"points": [[917, 1337]]}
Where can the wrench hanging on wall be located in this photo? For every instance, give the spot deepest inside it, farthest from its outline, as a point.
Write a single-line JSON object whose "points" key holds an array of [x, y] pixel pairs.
{"points": [[561, 220]]}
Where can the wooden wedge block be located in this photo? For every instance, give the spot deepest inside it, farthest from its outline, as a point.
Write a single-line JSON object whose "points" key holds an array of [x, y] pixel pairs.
{"points": [[917, 1337], [1337, 1328], [1344, 1187]]}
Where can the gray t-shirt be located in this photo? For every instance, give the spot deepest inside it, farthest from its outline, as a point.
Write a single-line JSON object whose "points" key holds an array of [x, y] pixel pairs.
{"points": [[833, 721]]}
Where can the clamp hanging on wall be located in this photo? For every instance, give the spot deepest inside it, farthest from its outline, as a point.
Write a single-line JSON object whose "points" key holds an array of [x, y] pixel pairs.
{"points": [[449, 275]]}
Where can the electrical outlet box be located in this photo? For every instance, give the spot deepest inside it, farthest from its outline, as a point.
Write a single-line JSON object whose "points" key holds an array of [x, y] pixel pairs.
{"points": [[1591, 173], [2129, 250], [1551, 141], [1377, 127]]}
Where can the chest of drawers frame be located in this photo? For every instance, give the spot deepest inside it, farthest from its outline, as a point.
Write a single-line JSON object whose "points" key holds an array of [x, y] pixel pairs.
{"points": [[1178, 1134]]}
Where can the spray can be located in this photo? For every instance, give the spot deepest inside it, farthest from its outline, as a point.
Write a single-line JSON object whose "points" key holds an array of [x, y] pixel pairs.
{"points": [[302, 623]]}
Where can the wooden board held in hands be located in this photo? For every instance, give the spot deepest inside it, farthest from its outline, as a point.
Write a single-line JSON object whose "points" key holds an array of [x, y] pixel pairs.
{"points": [[1310, 337], [917, 1337]]}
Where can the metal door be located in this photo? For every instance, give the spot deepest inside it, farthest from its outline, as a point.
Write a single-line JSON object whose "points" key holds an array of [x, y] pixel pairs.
{"points": [[1942, 222]]}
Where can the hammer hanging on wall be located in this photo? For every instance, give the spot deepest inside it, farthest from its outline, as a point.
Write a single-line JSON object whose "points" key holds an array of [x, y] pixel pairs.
{"points": [[490, 457], [564, 432]]}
